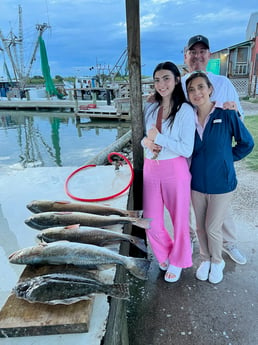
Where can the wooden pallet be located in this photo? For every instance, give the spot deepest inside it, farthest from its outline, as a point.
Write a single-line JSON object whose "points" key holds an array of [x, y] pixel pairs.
{"points": [[21, 318]]}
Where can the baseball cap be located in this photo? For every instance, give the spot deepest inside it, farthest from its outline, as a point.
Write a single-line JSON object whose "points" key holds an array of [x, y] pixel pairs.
{"points": [[198, 39]]}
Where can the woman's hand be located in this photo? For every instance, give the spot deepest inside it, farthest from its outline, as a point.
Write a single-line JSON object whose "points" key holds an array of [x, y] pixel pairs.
{"points": [[230, 105], [152, 133], [151, 145]]}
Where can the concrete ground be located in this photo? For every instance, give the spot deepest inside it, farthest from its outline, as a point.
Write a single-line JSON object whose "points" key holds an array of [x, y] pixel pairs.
{"points": [[193, 312]]}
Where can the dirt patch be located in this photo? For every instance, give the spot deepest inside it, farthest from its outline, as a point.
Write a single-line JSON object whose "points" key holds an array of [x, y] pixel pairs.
{"points": [[245, 202]]}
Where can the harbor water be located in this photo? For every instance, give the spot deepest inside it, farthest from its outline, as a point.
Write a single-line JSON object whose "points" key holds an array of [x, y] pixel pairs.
{"points": [[37, 139]]}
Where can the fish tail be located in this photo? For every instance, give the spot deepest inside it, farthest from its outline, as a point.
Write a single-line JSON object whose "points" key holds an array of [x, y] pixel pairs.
{"points": [[135, 214], [143, 223], [139, 267], [120, 291], [139, 243]]}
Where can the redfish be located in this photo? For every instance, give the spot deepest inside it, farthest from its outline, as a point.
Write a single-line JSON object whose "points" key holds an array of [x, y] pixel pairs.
{"points": [[52, 219], [38, 206], [66, 289], [90, 235], [79, 254]]}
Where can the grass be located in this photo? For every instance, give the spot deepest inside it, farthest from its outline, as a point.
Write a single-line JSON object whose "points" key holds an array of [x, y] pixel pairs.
{"points": [[251, 160]]}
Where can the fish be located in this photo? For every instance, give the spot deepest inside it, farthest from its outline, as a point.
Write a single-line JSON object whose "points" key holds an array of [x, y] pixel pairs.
{"points": [[90, 235], [66, 289], [45, 220], [78, 254], [38, 206]]}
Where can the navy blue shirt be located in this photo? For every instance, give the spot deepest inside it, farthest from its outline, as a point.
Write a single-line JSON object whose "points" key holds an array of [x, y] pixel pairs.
{"points": [[225, 140]]}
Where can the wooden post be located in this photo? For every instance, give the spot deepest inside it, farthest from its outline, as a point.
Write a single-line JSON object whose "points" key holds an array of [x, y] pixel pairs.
{"points": [[134, 67]]}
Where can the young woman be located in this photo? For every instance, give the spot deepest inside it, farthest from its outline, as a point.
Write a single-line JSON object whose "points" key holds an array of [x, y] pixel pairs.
{"points": [[212, 169], [166, 176]]}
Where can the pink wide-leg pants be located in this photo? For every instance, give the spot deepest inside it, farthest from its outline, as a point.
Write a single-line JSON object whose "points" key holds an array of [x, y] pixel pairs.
{"points": [[166, 183]]}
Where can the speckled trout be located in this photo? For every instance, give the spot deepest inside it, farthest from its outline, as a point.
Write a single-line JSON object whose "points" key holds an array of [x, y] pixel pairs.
{"points": [[38, 206], [52, 219], [90, 235], [65, 252], [63, 288]]}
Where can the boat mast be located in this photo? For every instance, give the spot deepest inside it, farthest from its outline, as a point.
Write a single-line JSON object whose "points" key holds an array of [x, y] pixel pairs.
{"points": [[18, 66], [7, 43], [22, 67], [41, 28]]}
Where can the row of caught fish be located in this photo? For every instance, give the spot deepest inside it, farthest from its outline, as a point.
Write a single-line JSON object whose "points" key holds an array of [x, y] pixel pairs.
{"points": [[74, 222], [56, 213], [80, 246], [79, 254]]}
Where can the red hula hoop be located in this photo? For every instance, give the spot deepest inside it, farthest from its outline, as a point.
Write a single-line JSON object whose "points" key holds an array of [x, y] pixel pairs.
{"points": [[92, 166]]}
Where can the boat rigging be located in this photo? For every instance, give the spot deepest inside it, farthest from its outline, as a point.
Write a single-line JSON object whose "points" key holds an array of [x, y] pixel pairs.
{"points": [[10, 43]]}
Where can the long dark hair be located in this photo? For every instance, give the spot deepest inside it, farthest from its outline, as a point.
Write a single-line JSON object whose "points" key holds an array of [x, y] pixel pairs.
{"points": [[178, 96]]}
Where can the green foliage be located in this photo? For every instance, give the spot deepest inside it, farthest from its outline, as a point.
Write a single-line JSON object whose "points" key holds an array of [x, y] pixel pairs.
{"points": [[251, 123], [59, 78]]}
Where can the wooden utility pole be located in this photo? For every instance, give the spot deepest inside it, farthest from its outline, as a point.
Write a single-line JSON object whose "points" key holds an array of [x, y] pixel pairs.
{"points": [[134, 67]]}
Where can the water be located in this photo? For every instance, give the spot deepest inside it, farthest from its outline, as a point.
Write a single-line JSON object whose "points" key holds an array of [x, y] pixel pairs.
{"points": [[31, 139]]}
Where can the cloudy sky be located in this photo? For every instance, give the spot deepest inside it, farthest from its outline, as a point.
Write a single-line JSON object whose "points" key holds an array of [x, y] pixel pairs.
{"points": [[83, 33]]}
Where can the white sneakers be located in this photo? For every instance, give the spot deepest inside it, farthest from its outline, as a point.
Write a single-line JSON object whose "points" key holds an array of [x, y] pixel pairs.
{"points": [[203, 271], [235, 254], [216, 272], [211, 271]]}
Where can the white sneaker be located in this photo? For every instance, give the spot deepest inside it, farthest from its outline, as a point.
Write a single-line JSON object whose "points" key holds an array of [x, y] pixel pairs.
{"points": [[216, 272], [202, 272], [235, 254]]}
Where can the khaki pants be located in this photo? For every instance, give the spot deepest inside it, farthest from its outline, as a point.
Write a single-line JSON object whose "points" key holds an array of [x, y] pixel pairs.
{"points": [[228, 228], [210, 212]]}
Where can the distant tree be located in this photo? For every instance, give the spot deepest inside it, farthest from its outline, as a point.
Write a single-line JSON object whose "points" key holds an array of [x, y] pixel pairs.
{"points": [[59, 78], [37, 77]]}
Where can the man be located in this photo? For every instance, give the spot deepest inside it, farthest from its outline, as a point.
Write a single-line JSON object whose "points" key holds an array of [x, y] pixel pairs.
{"points": [[197, 54]]}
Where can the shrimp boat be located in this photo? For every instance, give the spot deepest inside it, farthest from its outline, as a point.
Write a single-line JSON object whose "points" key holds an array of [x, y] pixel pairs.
{"points": [[104, 95]]}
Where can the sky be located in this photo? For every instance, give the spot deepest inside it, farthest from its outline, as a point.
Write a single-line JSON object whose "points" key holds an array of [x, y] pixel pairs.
{"points": [[87, 33]]}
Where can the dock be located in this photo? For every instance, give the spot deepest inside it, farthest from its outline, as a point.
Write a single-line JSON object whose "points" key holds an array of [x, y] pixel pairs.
{"points": [[118, 109]]}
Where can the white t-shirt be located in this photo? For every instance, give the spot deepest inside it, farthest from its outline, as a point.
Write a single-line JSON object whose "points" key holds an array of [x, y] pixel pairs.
{"points": [[224, 91], [176, 141]]}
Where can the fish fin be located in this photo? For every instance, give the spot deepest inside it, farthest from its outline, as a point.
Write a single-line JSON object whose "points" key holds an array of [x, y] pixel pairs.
{"points": [[62, 202], [139, 267], [139, 243], [105, 267], [63, 213], [120, 291], [143, 223], [74, 226], [110, 246], [67, 301], [101, 267], [42, 244], [135, 214]]}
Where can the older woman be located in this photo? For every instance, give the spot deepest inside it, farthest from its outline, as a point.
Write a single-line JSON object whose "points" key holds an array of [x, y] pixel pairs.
{"points": [[213, 172]]}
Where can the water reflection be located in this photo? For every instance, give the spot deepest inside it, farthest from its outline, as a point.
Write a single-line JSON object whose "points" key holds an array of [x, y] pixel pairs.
{"points": [[36, 139], [121, 127], [55, 140]]}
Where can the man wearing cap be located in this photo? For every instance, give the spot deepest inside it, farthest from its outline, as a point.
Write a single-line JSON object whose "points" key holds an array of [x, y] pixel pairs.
{"points": [[197, 54]]}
